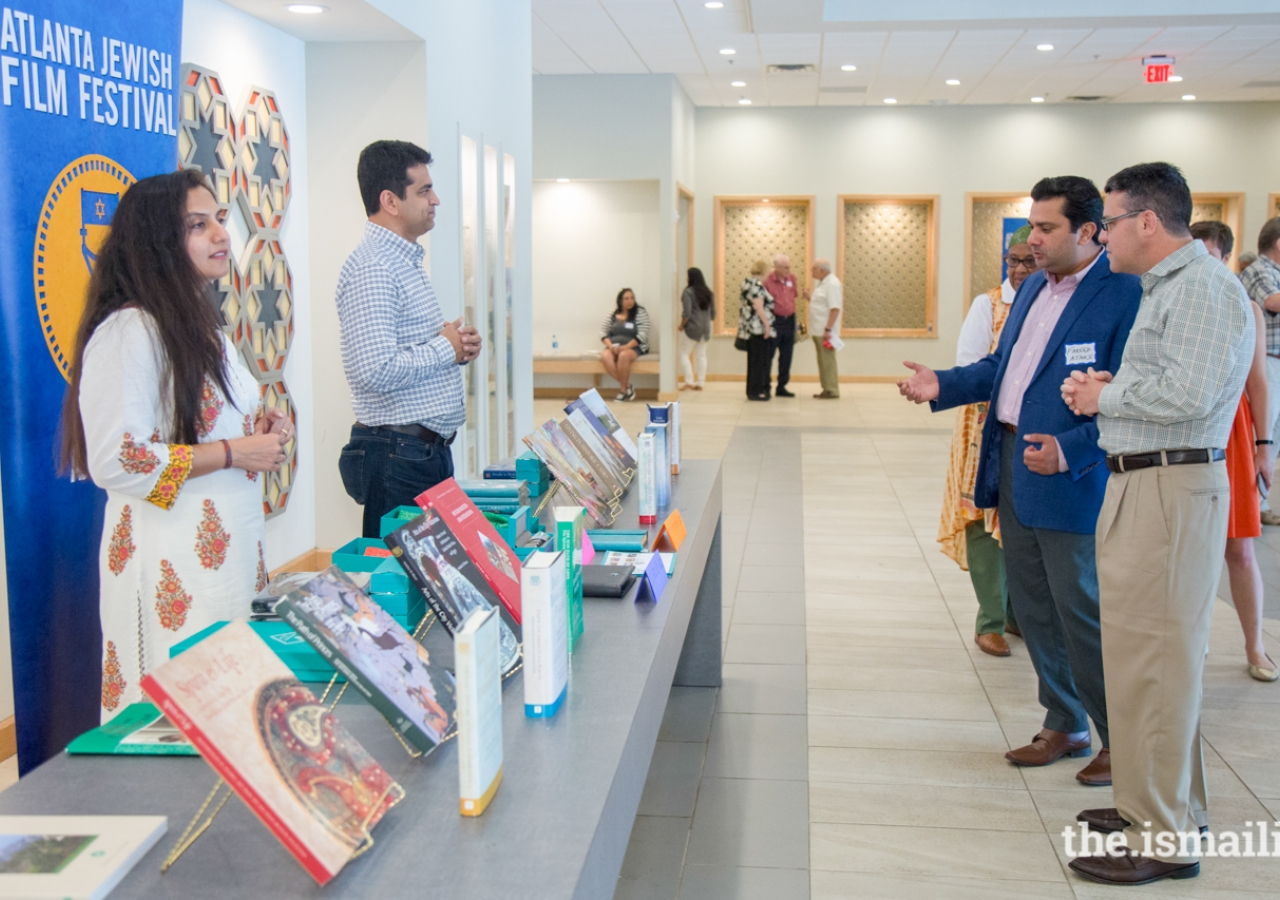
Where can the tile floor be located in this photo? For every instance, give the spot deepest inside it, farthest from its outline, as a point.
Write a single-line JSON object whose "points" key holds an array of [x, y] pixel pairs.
{"points": [[856, 747]]}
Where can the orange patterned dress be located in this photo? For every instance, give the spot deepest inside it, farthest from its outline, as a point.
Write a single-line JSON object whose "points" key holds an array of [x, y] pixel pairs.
{"points": [[958, 510]]}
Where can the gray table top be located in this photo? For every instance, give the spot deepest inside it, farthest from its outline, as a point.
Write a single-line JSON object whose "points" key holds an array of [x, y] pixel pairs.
{"points": [[557, 827]]}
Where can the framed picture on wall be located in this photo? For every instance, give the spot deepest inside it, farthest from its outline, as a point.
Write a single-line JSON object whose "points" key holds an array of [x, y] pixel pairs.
{"points": [[751, 228], [887, 260], [984, 217], [1225, 208], [1273, 210]]}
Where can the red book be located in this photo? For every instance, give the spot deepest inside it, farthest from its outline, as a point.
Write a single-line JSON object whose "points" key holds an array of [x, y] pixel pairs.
{"points": [[496, 560], [281, 750]]}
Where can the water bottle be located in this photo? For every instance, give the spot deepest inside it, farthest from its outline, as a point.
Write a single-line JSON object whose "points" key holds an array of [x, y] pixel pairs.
{"points": [[555, 344]]}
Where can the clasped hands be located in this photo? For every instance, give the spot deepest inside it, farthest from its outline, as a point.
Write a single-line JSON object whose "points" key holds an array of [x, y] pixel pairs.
{"points": [[1080, 391], [465, 339]]}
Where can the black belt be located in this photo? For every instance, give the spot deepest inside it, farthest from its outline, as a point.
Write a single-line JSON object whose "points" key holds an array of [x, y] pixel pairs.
{"points": [[1134, 461], [423, 434]]}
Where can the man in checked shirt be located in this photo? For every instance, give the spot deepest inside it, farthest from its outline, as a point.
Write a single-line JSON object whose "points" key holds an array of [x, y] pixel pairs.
{"points": [[1163, 420], [402, 359]]}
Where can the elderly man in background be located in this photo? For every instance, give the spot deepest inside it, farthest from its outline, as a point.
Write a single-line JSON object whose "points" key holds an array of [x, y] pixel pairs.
{"points": [[1163, 419], [781, 285], [1262, 281], [826, 305]]}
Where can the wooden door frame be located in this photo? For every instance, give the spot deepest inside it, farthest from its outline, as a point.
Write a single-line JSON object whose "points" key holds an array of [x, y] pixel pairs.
{"points": [[721, 201], [1233, 215], [931, 263]]}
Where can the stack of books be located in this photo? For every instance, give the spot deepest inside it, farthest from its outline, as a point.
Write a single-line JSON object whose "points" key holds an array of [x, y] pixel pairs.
{"points": [[388, 585], [525, 467]]}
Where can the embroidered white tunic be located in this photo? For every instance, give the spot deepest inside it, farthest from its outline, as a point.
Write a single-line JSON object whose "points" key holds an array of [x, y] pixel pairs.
{"points": [[177, 554]]}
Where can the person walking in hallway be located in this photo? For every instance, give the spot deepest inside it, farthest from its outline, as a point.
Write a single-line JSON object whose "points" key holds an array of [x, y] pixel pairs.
{"points": [[1041, 465], [1163, 418], [781, 285], [755, 330], [826, 309], [967, 534], [1250, 456], [697, 312], [402, 359]]}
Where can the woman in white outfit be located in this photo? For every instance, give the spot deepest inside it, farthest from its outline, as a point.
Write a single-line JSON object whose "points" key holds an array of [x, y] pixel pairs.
{"points": [[697, 311], [163, 415]]}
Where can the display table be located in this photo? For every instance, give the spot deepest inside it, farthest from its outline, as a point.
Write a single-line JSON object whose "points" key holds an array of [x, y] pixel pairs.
{"points": [[559, 824]]}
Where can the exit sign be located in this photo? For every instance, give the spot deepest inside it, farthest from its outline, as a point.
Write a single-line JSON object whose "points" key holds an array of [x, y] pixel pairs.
{"points": [[1157, 69]]}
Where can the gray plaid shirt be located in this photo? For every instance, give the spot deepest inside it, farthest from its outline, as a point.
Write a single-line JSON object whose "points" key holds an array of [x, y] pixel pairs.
{"points": [[1262, 279], [1184, 366], [400, 369]]}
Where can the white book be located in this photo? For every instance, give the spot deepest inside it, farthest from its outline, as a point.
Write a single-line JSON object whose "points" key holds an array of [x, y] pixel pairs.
{"points": [[546, 634], [673, 442], [662, 462], [479, 675], [648, 477], [72, 857]]}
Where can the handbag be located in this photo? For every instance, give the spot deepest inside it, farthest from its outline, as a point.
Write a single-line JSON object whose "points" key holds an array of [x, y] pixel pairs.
{"points": [[740, 343]]}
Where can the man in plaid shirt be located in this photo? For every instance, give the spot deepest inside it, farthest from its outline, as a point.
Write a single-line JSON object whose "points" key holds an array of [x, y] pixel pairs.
{"points": [[402, 359], [1262, 281], [1163, 419]]}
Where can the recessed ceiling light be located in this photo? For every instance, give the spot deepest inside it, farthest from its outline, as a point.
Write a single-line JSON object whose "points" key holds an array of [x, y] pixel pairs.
{"points": [[1037, 99], [848, 68], [953, 81], [562, 180], [714, 5], [1044, 47], [1175, 77], [306, 9], [738, 83], [1188, 96], [727, 51], [744, 102], [890, 100]]}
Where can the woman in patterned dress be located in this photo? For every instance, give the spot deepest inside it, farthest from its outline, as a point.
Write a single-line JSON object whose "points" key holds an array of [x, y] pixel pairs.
{"points": [[163, 415], [755, 326]]}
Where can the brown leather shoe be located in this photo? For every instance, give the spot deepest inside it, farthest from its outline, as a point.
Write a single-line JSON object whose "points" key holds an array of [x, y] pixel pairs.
{"points": [[1108, 819], [1046, 747], [995, 644], [1098, 772], [1131, 868], [1013, 629]]}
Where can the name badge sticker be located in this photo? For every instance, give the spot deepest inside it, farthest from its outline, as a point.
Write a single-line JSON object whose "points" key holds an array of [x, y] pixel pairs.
{"points": [[633, 325], [1081, 354]]}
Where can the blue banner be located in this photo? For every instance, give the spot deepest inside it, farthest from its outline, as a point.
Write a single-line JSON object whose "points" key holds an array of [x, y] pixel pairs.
{"points": [[88, 98], [1011, 225]]}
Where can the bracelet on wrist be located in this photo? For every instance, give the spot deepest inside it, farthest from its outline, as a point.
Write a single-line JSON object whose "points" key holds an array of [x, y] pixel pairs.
{"points": [[226, 449], [1261, 443]]}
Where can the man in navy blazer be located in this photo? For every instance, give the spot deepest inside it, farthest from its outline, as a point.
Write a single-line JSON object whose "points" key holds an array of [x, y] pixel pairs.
{"points": [[1041, 465]]}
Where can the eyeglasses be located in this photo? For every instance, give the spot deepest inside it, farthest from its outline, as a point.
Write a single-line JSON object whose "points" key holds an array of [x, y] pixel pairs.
{"points": [[1107, 223], [1027, 262]]}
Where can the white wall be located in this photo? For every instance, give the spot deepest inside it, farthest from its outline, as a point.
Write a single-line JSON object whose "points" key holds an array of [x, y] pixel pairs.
{"points": [[245, 51], [356, 93], [590, 239], [951, 150]]}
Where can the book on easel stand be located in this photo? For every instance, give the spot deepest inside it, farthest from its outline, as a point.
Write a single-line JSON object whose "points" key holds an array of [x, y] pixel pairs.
{"points": [[479, 711]]}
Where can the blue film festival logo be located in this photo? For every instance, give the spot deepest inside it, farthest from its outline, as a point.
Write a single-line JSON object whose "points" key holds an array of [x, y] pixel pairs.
{"points": [[74, 221]]}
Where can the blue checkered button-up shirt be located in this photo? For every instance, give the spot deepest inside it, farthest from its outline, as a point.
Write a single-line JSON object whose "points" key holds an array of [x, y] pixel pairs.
{"points": [[1262, 279], [1185, 363], [401, 371]]}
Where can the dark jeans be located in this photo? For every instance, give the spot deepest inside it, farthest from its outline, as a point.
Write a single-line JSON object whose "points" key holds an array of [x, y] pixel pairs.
{"points": [[759, 356], [383, 469], [1053, 589], [784, 329]]}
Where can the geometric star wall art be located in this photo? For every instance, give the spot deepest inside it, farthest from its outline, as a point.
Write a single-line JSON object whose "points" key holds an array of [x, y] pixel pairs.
{"points": [[245, 154]]}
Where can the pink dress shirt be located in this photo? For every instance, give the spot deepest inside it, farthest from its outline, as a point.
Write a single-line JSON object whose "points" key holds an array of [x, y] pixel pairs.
{"points": [[782, 292], [1028, 349]]}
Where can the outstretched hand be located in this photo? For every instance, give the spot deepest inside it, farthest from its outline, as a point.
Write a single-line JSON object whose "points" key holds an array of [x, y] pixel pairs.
{"points": [[920, 387]]}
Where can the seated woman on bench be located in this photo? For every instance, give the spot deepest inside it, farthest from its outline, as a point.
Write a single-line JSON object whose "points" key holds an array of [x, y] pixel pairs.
{"points": [[625, 335]]}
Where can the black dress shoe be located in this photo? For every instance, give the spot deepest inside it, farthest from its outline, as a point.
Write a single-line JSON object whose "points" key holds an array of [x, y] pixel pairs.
{"points": [[783, 392], [1131, 868], [1108, 819]]}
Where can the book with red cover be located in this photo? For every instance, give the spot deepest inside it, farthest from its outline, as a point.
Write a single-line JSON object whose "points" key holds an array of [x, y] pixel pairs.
{"points": [[281, 750], [492, 555]]}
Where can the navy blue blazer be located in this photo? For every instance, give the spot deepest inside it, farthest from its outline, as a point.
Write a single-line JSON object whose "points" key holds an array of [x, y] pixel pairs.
{"points": [[1094, 326]]}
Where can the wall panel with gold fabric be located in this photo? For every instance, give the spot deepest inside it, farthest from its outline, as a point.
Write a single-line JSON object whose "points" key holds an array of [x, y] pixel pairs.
{"points": [[1226, 208], [984, 237], [887, 260], [759, 228]]}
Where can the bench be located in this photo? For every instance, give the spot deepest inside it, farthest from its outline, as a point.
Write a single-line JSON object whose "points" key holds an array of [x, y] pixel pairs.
{"points": [[586, 364]]}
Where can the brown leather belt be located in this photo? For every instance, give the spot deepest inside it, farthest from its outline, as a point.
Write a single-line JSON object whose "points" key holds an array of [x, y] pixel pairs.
{"points": [[1135, 461], [423, 434], [1012, 429]]}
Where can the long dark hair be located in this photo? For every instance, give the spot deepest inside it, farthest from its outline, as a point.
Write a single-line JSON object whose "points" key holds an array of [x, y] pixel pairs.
{"points": [[700, 290], [631, 313], [144, 264]]}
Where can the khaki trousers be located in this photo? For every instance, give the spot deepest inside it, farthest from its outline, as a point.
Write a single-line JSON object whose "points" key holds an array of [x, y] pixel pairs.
{"points": [[1161, 537], [827, 373]]}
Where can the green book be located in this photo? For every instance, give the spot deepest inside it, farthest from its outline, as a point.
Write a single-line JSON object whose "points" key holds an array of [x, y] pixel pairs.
{"points": [[571, 525], [139, 729]]}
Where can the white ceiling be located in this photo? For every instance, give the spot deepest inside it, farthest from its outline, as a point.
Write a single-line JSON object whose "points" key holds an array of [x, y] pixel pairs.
{"points": [[994, 58], [342, 20]]}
